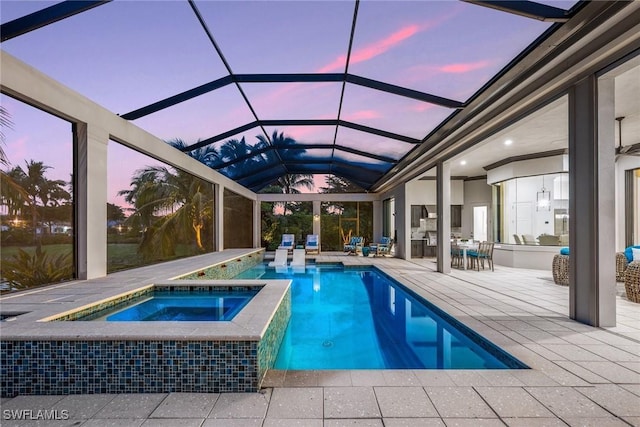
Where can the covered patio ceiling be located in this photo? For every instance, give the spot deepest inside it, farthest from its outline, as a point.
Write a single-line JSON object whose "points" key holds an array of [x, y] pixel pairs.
{"points": [[257, 90]]}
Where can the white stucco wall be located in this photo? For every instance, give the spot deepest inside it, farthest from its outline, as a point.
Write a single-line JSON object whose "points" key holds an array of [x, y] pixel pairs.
{"points": [[623, 163], [423, 192]]}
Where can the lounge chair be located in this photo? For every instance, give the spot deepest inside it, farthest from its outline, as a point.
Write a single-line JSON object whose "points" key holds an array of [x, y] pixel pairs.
{"points": [[281, 258], [517, 239], [287, 242], [529, 239], [299, 260], [382, 248], [354, 245], [311, 245]]}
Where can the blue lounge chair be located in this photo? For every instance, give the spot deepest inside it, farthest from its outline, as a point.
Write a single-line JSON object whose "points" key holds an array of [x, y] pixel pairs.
{"points": [[354, 245], [287, 242], [311, 246]]}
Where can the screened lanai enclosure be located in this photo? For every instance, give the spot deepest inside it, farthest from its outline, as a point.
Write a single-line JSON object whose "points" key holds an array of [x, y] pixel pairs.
{"points": [[350, 95], [167, 129]]}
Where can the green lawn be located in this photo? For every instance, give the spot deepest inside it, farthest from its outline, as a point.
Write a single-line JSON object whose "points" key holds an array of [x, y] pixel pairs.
{"points": [[54, 250], [120, 256]]}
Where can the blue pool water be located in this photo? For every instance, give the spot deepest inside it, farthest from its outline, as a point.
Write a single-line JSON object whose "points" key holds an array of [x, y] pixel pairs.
{"points": [[185, 307], [362, 319]]}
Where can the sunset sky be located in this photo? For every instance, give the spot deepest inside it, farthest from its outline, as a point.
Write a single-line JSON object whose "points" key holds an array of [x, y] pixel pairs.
{"points": [[127, 54]]}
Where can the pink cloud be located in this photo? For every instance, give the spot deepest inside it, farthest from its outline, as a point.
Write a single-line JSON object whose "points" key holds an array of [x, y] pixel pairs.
{"points": [[362, 115], [421, 106], [420, 73], [385, 44], [308, 133], [463, 67], [374, 49]]}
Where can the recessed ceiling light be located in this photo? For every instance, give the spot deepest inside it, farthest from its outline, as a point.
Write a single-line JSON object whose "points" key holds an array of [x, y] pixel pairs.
{"points": [[508, 142], [463, 162]]}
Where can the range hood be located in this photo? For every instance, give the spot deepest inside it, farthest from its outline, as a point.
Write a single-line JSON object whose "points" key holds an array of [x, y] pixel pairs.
{"points": [[431, 211]]}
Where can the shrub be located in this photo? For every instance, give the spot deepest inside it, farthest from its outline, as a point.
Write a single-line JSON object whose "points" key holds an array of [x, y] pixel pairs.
{"points": [[25, 271]]}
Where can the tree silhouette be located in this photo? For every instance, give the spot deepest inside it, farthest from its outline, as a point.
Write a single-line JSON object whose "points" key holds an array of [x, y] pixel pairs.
{"points": [[172, 207], [207, 155]]}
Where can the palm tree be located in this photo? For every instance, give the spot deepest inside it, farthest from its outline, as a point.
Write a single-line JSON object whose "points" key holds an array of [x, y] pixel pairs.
{"points": [[13, 196], [291, 182], [37, 186], [5, 122], [280, 142], [172, 207], [336, 184], [235, 149], [207, 155]]}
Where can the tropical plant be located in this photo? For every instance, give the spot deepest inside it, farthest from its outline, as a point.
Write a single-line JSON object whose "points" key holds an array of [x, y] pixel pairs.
{"points": [[172, 206], [24, 270]]}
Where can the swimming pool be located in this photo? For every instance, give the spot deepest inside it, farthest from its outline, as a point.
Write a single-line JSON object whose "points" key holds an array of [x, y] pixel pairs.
{"points": [[362, 319]]}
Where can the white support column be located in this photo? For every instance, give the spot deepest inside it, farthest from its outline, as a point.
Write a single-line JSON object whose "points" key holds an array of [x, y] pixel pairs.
{"points": [[377, 220], [257, 224], [592, 283], [91, 200], [317, 227], [443, 182], [219, 217]]}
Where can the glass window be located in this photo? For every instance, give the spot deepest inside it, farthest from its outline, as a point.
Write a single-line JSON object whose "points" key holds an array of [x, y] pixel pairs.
{"points": [[36, 199], [154, 212], [342, 220], [280, 218], [238, 221], [535, 210]]}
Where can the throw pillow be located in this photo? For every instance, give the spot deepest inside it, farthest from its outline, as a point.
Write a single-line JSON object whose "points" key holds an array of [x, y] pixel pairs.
{"points": [[629, 254], [636, 254], [564, 251]]}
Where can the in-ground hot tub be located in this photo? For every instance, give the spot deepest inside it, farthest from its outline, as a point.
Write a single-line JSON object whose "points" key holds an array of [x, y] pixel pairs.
{"points": [[66, 355], [180, 304]]}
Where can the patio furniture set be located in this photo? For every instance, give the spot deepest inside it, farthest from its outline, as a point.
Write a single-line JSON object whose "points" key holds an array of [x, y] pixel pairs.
{"points": [[470, 254], [356, 246], [627, 270]]}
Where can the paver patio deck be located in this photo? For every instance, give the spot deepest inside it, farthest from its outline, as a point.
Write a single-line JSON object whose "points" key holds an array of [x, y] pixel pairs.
{"points": [[579, 376]]}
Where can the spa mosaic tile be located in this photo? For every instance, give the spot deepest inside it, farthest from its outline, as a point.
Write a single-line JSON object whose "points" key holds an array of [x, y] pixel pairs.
{"points": [[270, 343], [87, 367], [227, 269]]}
